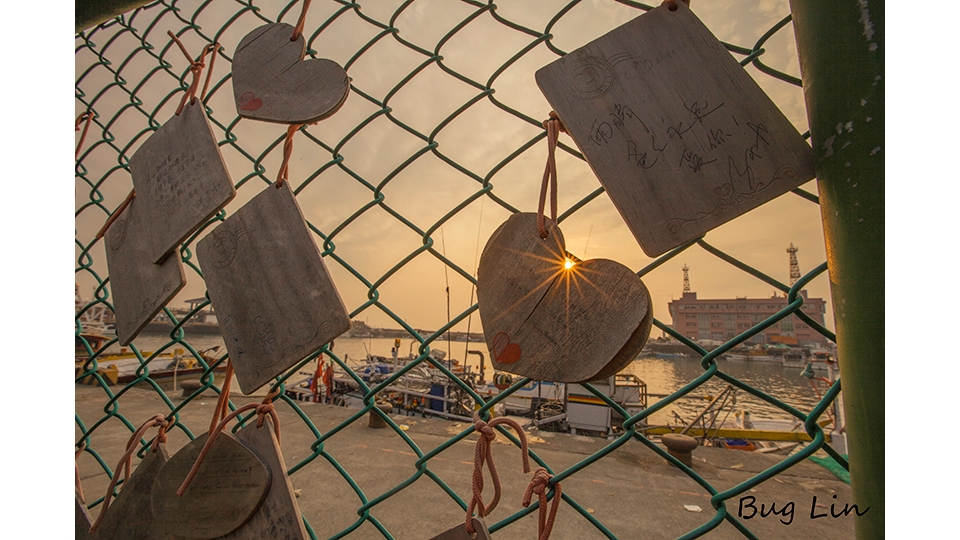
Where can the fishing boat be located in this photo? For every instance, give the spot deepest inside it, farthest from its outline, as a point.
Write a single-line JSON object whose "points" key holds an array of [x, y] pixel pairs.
{"points": [[125, 367]]}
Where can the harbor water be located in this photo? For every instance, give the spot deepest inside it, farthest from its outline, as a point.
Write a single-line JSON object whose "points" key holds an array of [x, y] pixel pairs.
{"points": [[662, 375]]}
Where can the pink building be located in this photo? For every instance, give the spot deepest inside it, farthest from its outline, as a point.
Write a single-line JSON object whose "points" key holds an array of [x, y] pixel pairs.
{"points": [[722, 319]]}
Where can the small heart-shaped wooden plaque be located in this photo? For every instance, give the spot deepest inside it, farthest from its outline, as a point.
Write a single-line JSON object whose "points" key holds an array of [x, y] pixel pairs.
{"points": [[550, 322], [272, 82], [228, 488], [279, 514], [130, 515], [181, 180]]}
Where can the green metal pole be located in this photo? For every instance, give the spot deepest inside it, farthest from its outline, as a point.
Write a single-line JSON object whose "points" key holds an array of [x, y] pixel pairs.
{"points": [[841, 46]]}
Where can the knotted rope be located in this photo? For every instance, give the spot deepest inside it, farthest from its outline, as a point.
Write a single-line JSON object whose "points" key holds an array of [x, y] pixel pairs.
{"points": [[263, 409], [196, 67], [287, 151], [484, 454], [554, 126], [124, 464], [540, 484]]}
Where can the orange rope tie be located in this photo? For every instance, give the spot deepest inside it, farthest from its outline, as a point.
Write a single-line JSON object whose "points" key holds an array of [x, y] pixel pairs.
{"points": [[116, 213], [553, 127], [297, 30], [484, 453], [196, 67], [540, 484], [282, 175], [212, 48], [87, 117], [263, 408], [157, 420], [223, 403]]}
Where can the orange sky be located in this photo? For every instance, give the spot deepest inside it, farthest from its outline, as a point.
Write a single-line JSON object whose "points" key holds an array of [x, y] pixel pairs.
{"points": [[478, 139]]}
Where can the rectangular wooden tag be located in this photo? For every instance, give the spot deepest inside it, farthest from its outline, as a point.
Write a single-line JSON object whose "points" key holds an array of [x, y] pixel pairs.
{"points": [[138, 288], [680, 136], [460, 532], [275, 300], [181, 180]]}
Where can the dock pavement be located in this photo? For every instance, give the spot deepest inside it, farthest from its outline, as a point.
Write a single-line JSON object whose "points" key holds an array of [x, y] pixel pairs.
{"points": [[634, 492]]}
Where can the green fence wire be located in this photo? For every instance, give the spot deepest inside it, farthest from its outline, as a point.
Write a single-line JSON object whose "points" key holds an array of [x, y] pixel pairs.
{"points": [[120, 65]]}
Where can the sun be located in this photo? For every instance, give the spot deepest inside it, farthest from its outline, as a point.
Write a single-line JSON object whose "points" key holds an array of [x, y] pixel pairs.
{"points": [[568, 264]]}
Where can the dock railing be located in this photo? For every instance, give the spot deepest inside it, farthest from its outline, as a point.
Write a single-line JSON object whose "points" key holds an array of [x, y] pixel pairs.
{"points": [[129, 76]]}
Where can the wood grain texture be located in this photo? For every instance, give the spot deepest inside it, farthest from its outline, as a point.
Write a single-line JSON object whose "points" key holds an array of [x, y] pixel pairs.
{"points": [[279, 513], [549, 323], [227, 490], [181, 180], [83, 520], [275, 300], [138, 288], [272, 82], [130, 515], [681, 137], [460, 532]]}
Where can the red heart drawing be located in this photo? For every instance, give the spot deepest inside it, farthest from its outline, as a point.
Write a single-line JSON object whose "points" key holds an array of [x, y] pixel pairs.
{"points": [[272, 81], [550, 318], [504, 351], [249, 102]]}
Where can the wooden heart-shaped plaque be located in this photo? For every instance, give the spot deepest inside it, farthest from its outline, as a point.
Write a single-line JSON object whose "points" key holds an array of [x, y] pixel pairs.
{"points": [[272, 82], [181, 180], [547, 321], [228, 488]]}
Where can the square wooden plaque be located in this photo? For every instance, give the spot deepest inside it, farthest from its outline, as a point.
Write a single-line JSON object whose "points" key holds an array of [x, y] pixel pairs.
{"points": [[139, 288], [181, 180], [274, 298], [679, 135]]}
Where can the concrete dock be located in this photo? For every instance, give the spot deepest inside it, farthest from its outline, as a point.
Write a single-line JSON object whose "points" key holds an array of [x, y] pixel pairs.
{"points": [[634, 492]]}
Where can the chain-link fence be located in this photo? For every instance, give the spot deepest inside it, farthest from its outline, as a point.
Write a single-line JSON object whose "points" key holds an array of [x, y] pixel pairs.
{"points": [[402, 161]]}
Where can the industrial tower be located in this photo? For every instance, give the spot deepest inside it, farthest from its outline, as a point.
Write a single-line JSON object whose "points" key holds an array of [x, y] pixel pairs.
{"points": [[794, 265], [686, 279]]}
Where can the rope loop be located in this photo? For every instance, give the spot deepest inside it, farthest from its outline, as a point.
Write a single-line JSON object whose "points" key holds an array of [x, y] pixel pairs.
{"points": [[554, 126], [484, 454], [196, 68], [124, 464], [540, 484]]}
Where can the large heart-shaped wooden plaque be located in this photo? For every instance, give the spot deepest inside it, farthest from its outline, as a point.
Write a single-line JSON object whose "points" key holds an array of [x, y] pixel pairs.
{"points": [[228, 488], [275, 300], [181, 180], [549, 322], [139, 288], [272, 82], [681, 137]]}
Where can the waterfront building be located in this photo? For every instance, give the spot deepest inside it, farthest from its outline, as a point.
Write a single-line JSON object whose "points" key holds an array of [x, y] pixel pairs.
{"points": [[721, 319]]}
